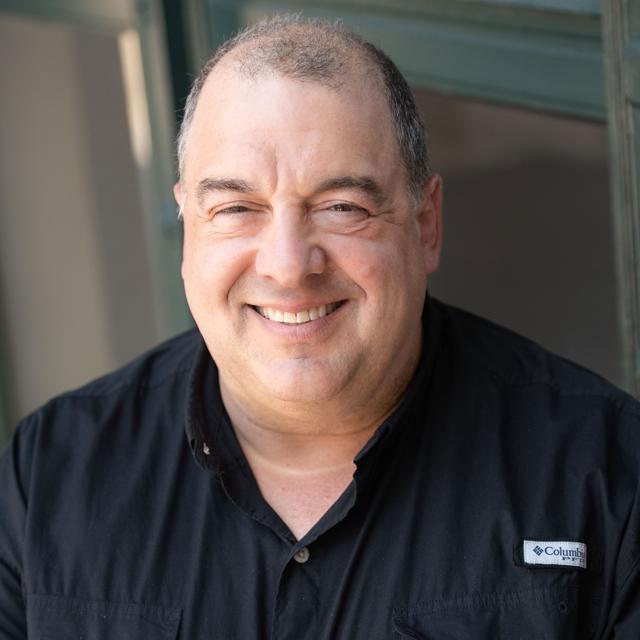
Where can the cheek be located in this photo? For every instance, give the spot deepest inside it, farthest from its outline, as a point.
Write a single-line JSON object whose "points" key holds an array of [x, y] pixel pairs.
{"points": [[379, 267], [391, 279], [211, 268]]}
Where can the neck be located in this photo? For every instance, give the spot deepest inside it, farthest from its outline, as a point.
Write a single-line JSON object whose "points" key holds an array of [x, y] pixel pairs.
{"points": [[299, 441], [306, 437], [302, 454]]}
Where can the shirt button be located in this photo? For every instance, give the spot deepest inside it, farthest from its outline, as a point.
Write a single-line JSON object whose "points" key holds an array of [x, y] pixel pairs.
{"points": [[301, 555]]}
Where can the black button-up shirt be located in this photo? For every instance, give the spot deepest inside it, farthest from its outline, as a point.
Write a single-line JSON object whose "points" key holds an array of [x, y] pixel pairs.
{"points": [[114, 525]]}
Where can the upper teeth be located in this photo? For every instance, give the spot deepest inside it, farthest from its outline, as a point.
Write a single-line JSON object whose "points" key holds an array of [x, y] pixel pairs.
{"points": [[299, 317]]}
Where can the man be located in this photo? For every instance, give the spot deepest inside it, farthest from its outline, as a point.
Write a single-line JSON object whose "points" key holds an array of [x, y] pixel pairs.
{"points": [[360, 461]]}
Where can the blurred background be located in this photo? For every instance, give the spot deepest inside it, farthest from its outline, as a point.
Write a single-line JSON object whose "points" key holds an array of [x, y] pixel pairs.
{"points": [[524, 103]]}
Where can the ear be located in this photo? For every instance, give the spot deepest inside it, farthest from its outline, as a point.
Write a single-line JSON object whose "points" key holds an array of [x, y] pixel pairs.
{"points": [[429, 219], [179, 195]]}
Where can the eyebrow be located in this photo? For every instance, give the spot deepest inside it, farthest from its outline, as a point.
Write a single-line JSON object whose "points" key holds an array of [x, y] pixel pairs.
{"points": [[361, 183], [207, 185]]}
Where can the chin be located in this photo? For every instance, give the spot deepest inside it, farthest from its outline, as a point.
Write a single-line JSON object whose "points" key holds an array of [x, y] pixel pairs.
{"points": [[301, 386]]}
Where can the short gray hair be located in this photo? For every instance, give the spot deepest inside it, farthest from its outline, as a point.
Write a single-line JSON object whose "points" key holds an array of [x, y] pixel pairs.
{"points": [[319, 51]]}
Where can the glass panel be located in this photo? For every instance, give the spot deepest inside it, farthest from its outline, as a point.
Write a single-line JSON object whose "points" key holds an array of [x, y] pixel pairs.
{"points": [[75, 278], [527, 225]]}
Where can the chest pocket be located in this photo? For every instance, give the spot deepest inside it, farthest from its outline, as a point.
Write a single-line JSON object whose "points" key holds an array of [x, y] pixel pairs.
{"points": [[538, 614], [55, 618]]}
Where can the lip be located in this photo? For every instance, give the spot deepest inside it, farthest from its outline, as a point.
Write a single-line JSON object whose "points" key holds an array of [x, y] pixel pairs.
{"points": [[314, 329]]}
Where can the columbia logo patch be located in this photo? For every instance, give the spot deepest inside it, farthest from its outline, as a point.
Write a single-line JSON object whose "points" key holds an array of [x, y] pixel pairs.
{"points": [[555, 553]]}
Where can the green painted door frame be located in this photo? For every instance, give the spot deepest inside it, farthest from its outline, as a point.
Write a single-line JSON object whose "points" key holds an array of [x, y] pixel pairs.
{"points": [[570, 57], [540, 54], [621, 30]]}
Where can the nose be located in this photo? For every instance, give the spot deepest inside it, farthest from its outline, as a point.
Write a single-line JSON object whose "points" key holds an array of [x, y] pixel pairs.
{"points": [[288, 252]]}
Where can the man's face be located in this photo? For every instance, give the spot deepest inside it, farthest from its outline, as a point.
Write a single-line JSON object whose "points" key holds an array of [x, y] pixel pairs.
{"points": [[305, 261]]}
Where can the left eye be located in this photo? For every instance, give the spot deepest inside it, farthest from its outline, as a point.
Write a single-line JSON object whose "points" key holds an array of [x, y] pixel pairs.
{"points": [[347, 207], [341, 216], [342, 206]]}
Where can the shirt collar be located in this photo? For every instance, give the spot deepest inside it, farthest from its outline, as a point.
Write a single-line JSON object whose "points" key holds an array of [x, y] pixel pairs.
{"points": [[209, 430], [413, 406]]}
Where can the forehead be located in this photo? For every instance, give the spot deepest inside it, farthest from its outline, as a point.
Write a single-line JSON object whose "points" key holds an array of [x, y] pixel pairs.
{"points": [[241, 119]]}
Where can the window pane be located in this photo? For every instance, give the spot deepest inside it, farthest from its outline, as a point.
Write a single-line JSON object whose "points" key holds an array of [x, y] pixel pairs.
{"points": [[527, 225]]}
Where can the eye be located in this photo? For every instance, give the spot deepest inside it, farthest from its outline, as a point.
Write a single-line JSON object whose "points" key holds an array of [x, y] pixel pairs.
{"points": [[342, 206], [236, 208], [234, 216], [347, 207], [341, 216], [234, 213]]}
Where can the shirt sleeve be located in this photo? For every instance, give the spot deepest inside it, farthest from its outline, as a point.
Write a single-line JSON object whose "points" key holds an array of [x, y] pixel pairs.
{"points": [[624, 612], [15, 464]]}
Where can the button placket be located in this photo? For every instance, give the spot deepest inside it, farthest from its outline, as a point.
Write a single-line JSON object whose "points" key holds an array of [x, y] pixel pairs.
{"points": [[297, 602]]}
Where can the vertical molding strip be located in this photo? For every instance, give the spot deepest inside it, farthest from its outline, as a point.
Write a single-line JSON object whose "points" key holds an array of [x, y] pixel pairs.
{"points": [[620, 37], [165, 232]]}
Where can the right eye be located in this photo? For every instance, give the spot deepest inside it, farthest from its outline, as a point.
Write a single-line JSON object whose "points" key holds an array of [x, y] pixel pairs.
{"points": [[237, 208]]}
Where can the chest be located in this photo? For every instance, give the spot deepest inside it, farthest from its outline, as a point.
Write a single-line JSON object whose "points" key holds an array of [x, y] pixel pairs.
{"points": [[423, 548], [409, 559], [301, 500]]}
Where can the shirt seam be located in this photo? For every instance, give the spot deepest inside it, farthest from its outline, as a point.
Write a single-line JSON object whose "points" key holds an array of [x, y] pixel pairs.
{"points": [[634, 566], [618, 402], [11, 565]]}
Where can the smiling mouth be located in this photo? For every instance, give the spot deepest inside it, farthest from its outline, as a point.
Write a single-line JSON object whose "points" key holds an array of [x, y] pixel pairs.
{"points": [[300, 317]]}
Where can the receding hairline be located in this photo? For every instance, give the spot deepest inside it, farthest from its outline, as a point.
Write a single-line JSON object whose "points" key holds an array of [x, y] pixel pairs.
{"points": [[328, 54], [239, 64], [246, 61], [350, 59], [286, 51]]}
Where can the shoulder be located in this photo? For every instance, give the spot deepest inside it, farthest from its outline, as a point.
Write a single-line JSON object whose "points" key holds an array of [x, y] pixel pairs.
{"points": [[518, 365], [147, 394], [157, 367], [121, 421], [544, 414], [112, 435]]}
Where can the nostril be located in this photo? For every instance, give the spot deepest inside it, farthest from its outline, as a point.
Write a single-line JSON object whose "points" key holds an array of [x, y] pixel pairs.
{"points": [[563, 607]]}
